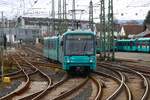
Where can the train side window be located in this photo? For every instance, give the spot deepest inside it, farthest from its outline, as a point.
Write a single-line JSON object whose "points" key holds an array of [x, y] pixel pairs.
{"points": [[46, 44], [55, 44], [50, 44], [118, 44], [61, 43], [141, 44]]}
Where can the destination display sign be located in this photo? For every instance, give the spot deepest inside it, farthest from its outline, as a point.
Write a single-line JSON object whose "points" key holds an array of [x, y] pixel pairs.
{"points": [[79, 37]]}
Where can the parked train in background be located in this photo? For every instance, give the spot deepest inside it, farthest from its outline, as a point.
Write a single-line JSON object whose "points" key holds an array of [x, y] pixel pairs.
{"points": [[100, 46], [75, 50], [133, 45], [128, 45]]}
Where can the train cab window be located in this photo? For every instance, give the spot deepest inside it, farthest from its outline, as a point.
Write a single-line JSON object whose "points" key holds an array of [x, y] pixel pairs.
{"points": [[79, 45]]}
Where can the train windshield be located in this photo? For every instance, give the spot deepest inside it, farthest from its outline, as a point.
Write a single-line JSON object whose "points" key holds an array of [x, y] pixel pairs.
{"points": [[79, 45]]}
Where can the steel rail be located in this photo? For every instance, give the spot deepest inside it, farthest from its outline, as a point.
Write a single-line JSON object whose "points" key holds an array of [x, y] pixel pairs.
{"points": [[122, 78], [138, 73], [38, 95], [18, 90], [41, 72], [139, 68], [117, 91], [69, 92], [99, 87], [29, 74], [24, 87]]}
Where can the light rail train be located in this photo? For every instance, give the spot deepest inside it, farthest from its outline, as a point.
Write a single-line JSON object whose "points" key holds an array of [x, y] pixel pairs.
{"points": [[75, 50]]}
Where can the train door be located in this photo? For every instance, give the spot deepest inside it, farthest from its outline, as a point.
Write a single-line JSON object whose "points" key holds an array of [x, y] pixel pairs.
{"points": [[49, 48], [140, 46], [128, 46], [136, 45], [149, 46], [131, 46], [146, 44], [61, 49], [45, 50], [144, 47]]}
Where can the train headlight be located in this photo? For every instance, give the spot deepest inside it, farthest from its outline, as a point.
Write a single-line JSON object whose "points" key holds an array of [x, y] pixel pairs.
{"points": [[68, 60], [92, 59]]}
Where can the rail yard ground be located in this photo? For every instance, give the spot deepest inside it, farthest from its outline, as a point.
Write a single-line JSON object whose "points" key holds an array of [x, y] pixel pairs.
{"points": [[127, 78], [133, 56]]}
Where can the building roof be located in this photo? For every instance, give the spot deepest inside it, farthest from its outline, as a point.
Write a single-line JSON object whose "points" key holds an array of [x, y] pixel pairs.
{"points": [[133, 29], [46, 21], [128, 28], [146, 33]]}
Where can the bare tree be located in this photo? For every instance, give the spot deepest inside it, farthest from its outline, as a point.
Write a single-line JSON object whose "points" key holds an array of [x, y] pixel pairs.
{"points": [[147, 20]]}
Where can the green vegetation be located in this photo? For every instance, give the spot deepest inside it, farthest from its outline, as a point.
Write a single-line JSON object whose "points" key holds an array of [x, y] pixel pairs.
{"points": [[9, 66]]}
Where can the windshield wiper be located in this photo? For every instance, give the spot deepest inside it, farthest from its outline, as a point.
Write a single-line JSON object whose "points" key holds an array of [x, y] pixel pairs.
{"points": [[85, 47]]}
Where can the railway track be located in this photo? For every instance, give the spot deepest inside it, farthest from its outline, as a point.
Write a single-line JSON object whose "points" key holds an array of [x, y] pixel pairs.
{"points": [[10, 73], [136, 66], [118, 90], [40, 59], [93, 79], [67, 89], [114, 91], [114, 82], [132, 76], [40, 94], [99, 85], [28, 83]]}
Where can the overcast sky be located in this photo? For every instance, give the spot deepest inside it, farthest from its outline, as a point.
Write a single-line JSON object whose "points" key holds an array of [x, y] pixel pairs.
{"points": [[123, 9]]}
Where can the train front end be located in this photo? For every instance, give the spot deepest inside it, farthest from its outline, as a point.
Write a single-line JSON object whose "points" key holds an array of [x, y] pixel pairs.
{"points": [[79, 52]]}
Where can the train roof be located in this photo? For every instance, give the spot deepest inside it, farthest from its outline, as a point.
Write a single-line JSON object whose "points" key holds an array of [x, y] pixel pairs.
{"points": [[126, 40], [143, 39], [53, 37], [79, 32], [45, 38]]}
